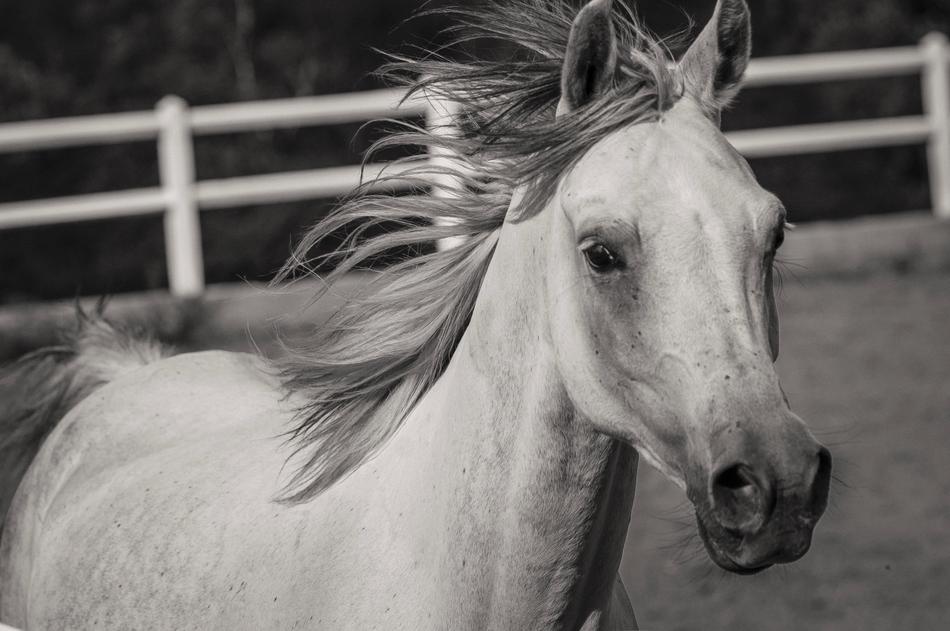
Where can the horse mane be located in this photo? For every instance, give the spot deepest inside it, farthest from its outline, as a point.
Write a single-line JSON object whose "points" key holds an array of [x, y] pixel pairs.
{"points": [[362, 371]]}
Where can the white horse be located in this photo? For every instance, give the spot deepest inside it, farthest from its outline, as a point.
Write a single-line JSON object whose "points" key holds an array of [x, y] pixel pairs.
{"points": [[458, 448]]}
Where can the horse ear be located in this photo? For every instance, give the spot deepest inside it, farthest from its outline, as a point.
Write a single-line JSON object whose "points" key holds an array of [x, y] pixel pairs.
{"points": [[713, 66], [591, 56]]}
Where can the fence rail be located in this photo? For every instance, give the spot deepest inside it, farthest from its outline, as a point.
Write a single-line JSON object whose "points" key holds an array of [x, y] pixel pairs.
{"points": [[181, 196]]}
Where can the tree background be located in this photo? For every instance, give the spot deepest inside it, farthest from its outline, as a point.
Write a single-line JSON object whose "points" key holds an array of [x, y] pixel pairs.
{"points": [[68, 58]]}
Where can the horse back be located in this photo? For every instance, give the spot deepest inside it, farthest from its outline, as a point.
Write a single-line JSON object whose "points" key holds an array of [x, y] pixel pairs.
{"points": [[161, 439]]}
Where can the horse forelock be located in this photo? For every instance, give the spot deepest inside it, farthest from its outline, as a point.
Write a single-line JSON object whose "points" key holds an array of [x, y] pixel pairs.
{"points": [[362, 371]]}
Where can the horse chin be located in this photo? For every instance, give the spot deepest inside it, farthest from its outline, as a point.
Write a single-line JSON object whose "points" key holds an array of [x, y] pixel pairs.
{"points": [[744, 571], [723, 559]]}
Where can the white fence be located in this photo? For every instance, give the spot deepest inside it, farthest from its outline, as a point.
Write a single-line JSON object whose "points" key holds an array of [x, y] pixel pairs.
{"points": [[181, 196]]}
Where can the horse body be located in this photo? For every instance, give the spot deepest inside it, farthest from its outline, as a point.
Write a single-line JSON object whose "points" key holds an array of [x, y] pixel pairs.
{"points": [[493, 507], [173, 471], [464, 461], [490, 508]]}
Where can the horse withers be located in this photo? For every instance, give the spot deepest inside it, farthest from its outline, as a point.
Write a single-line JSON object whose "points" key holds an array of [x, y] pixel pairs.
{"points": [[457, 447]]}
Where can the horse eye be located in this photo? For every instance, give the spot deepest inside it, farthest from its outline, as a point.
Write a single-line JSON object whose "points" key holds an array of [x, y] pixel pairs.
{"points": [[599, 257]]}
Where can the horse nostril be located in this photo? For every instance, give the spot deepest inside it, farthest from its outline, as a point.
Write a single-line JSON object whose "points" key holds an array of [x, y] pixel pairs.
{"points": [[820, 486], [734, 478], [741, 501]]}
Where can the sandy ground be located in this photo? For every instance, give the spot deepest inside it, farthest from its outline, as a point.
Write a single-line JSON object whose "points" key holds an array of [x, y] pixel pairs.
{"points": [[867, 364]]}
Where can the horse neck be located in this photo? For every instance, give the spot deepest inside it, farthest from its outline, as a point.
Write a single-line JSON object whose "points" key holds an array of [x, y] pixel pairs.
{"points": [[537, 503]]}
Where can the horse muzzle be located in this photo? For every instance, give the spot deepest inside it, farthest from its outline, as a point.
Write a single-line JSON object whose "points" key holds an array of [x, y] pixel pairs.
{"points": [[750, 519]]}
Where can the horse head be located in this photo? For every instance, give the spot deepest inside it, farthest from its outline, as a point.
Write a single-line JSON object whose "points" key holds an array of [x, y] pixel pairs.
{"points": [[660, 260]]}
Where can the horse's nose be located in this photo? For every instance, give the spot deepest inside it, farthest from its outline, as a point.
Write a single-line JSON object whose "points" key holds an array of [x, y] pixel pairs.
{"points": [[821, 483], [742, 498]]}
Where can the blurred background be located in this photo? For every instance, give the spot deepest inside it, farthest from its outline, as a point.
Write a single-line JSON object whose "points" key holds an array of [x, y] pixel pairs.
{"points": [[865, 301], [61, 58]]}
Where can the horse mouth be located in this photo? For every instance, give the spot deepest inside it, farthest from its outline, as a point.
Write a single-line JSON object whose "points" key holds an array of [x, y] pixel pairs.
{"points": [[731, 566], [726, 560]]}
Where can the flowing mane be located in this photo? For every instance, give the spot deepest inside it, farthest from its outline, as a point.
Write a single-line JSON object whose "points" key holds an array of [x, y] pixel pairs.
{"points": [[362, 371]]}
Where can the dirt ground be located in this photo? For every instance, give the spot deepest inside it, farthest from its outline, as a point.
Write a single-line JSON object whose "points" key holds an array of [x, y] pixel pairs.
{"points": [[867, 364]]}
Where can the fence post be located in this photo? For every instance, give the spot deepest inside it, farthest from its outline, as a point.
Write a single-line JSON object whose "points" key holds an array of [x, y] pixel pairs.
{"points": [[936, 86], [176, 164], [440, 120]]}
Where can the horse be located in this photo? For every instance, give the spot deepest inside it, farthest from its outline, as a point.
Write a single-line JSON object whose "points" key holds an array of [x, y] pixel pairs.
{"points": [[457, 447]]}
